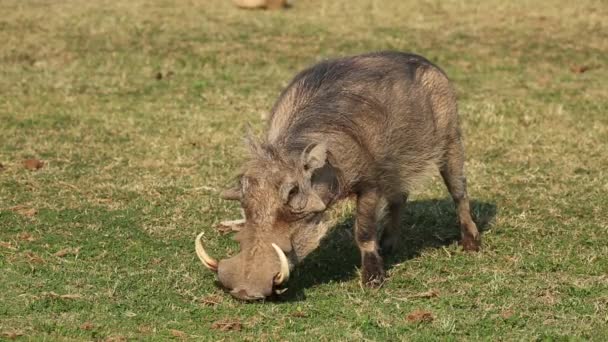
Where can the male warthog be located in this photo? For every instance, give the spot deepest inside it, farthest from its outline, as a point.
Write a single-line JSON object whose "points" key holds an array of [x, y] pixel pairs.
{"points": [[371, 126]]}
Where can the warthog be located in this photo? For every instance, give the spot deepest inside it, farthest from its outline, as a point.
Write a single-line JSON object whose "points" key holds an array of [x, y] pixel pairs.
{"points": [[368, 126], [269, 4]]}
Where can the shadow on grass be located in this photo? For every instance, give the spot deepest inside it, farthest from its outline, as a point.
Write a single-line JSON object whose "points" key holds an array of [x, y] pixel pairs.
{"points": [[425, 224]]}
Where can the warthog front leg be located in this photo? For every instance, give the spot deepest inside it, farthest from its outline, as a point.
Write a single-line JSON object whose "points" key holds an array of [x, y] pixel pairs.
{"points": [[372, 268], [389, 242]]}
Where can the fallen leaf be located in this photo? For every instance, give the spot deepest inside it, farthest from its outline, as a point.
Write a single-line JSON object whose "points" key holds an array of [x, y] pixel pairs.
{"points": [[298, 314], [211, 300], [33, 164], [65, 296], [23, 210], [420, 316], [548, 297], [227, 325], [116, 338], [67, 251], [12, 334], [179, 334], [87, 326], [34, 258], [26, 237], [579, 69], [145, 329], [28, 212], [8, 245], [70, 296], [428, 294], [506, 314]]}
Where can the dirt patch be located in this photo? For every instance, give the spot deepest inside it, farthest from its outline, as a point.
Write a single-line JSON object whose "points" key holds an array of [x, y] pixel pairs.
{"points": [[420, 316], [33, 164], [227, 325]]}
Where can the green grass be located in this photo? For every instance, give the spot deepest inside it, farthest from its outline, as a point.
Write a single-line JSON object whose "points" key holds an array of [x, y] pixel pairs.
{"points": [[133, 164]]}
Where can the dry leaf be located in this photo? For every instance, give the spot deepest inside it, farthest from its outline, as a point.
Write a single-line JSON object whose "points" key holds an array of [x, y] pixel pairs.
{"points": [[420, 316], [211, 300], [506, 314], [87, 326], [8, 245], [227, 325], [428, 294], [34, 258], [70, 296], [579, 69], [179, 333], [33, 164], [145, 329], [28, 212], [65, 296], [298, 314], [12, 334], [26, 237], [116, 338], [67, 251], [23, 210]]}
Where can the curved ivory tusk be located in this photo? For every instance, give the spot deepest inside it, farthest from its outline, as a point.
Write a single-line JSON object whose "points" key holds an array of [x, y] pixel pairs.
{"points": [[283, 275], [208, 261]]}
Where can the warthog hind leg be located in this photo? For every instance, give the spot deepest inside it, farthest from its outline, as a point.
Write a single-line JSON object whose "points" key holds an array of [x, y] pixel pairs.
{"points": [[372, 268], [453, 175]]}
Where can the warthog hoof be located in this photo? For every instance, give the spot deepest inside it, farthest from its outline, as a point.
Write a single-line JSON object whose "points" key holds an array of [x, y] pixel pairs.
{"points": [[388, 245], [372, 273], [470, 243]]}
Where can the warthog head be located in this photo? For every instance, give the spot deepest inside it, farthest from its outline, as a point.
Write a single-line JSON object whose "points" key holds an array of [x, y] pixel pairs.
{"points": [[283, 221]]}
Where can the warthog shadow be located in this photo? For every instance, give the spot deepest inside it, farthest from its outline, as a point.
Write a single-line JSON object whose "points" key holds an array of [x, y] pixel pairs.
{"points": [[425, 224]]}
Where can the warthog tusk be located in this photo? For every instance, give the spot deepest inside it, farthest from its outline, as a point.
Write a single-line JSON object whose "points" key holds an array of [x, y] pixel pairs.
{"points": [[208, 261], [283, 275]]}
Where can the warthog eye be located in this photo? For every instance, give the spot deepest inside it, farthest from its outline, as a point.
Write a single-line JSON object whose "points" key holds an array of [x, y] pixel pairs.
{"points": [[294, 191]]}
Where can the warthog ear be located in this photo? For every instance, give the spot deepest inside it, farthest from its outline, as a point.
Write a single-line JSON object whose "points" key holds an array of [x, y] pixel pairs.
{"points": [[314, 156]]}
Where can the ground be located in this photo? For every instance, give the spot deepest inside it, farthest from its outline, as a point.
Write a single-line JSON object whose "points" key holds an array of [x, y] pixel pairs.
{"points": [[137, 111]]}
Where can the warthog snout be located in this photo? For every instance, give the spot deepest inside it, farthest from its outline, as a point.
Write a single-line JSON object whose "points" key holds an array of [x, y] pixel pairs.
{"points": [[244, 278]]}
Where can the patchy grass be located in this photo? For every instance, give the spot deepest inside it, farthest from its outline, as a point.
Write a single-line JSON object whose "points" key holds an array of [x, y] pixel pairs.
{"points": [[137, 107]]}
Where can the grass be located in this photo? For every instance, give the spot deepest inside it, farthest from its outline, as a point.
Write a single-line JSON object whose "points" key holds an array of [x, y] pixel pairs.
{"points": [[137, 109]]}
